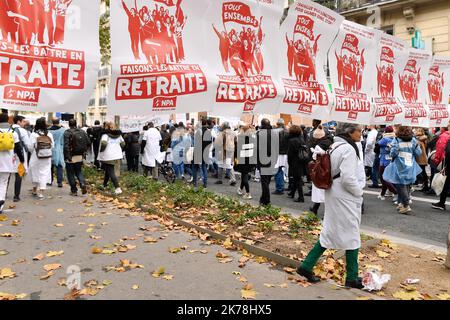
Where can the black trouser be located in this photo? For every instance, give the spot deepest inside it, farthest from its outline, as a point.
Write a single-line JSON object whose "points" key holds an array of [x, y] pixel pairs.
{"points": [[297, 186], [110, 174], [424, 177], [17, 186], [245, 176], [315, 208], [265, 196], [74, 171], [96, 150], [134, 163], [443, 196]]}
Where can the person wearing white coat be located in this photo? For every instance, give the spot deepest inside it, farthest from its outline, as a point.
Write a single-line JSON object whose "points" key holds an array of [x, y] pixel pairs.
{"points": [[343, 204], [24, 140], [9, 159], [40, 169], [151, 150]]}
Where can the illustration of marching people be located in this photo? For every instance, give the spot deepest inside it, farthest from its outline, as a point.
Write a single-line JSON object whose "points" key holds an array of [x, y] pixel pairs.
{"points": [[36, 22], [159, 33], [241, 50]]}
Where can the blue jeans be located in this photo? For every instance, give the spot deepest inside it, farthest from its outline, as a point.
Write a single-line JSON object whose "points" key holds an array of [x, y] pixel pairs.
{"points": [[375, 170], [59, 173], [403, 194], [279, 180], [204, 168], [179, 169], [74, 171]]}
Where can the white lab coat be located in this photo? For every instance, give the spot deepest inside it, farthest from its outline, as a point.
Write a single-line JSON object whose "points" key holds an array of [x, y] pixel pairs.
{"points": [[343, 202], [369, 154], [317, 195], [40, 170], [152, 148], [26, 141]]}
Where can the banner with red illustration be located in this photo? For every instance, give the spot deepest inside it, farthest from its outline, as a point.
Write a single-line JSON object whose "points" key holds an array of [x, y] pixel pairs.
{"points": [[438, 89], [413, 88], [243, 44], [49, 54], [308, 32], [391, 60], [157, 57], [352, 71]]}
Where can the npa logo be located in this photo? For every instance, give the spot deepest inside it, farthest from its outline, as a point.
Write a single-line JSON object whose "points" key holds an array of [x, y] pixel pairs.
{"points": [[164, 103], [17, 93]]}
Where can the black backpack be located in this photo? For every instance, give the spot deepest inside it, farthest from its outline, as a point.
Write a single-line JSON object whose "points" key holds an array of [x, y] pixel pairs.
{"points": [[79, 143]]}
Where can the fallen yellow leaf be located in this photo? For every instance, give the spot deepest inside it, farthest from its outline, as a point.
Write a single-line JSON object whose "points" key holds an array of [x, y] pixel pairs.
{"points": [[248, 294], [96, 250], [60, 210], [158, 273], [51, 267], [382, 254], [135, 287], [168, 277], [39, 257], [54, 253], [7, 273], [443, 296], [407, 295]]}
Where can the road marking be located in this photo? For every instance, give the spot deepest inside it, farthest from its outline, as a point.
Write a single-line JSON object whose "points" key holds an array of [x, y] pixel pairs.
{"points": [[414, 198]]}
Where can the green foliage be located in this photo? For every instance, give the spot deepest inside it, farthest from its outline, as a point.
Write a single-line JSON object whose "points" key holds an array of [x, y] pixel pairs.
{"points": [[105, 37]]}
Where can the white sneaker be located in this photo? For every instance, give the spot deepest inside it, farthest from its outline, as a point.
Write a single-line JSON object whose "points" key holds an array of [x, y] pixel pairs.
{"points": [[240, 192], [118, 191], [382, 198], [40, 196], [410, 201], [389, 194], [248, 196], [190, 180]]}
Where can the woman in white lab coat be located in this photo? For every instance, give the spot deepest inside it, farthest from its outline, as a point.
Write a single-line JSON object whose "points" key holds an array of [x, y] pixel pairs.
{"points": [[343, 204], [151, 150], [40, 169]]}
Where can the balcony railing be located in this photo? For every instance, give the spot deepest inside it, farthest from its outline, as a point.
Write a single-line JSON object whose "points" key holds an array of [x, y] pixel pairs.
{"points": [[347, 5], [92, 102], [104, 72]]}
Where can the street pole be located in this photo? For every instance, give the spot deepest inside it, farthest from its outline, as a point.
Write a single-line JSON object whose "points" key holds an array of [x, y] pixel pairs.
{"points": [[117, 121]]}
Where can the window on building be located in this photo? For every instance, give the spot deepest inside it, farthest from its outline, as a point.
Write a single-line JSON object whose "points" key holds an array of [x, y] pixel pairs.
{"points": [[388, 30]]}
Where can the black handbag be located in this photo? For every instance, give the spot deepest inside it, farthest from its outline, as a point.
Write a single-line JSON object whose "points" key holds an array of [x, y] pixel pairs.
{"points": [[303, 154]]}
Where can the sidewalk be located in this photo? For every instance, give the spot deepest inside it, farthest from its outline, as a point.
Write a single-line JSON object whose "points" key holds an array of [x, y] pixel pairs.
{"points": [[77, 225]]}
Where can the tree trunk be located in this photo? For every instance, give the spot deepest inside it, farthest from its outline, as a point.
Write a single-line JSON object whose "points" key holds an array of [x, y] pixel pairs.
{"points": [[447, 261]]}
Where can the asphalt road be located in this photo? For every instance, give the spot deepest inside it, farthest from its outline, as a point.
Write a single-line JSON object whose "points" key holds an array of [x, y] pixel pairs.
{"points": [[424, 225]]}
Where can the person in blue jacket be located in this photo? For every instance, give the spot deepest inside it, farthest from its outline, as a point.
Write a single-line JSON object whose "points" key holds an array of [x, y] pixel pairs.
{"points": [[403, 170], [58, 151], [385, 160]]}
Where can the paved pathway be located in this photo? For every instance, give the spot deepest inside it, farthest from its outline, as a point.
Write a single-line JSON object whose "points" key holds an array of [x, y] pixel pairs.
{"points": [[195, 275]]}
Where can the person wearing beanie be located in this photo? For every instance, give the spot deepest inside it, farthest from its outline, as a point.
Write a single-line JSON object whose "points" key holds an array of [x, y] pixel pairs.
{"points": [[322, 142]]}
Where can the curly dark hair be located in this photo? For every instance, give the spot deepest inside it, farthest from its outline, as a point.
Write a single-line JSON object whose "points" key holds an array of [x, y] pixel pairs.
{"points": [[404, 132]]}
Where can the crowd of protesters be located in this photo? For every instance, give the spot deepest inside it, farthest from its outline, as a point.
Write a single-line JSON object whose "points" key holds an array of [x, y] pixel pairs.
{"points": [[395, 159]]}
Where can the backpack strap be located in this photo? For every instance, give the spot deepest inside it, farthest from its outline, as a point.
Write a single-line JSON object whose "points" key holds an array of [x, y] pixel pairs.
{"points": [[330, 152]]}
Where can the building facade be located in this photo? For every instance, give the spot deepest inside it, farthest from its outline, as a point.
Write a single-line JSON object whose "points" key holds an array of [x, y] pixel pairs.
{"points": [[424, 24]]}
